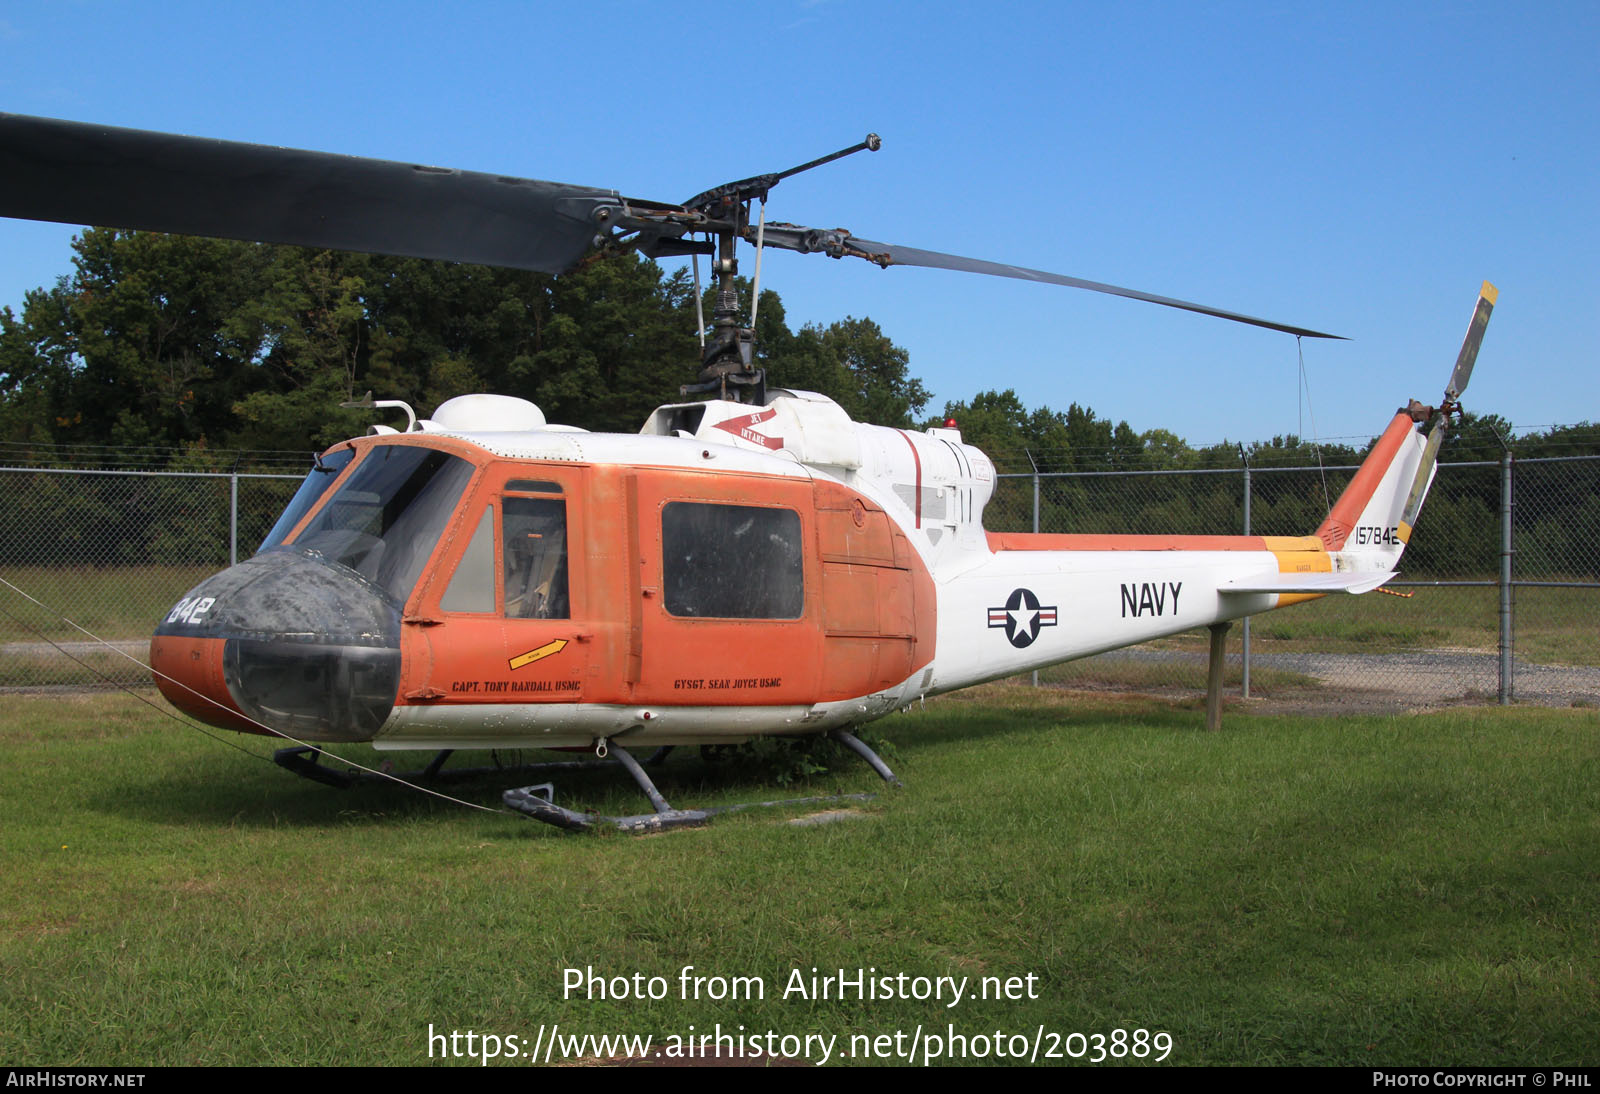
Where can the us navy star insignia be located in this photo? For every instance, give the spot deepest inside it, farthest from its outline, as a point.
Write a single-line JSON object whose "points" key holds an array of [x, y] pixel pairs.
{"points": [[1022, 617]]}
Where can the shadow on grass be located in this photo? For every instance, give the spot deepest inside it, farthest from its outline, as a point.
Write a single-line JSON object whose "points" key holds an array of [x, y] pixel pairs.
{"points": [[187, 786], [997, 710], [256, 796]]}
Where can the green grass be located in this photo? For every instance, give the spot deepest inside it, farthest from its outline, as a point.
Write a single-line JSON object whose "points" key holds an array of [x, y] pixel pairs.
{"points": [[1553, 626], [114, 602], [1354, 891], [121, 604]]}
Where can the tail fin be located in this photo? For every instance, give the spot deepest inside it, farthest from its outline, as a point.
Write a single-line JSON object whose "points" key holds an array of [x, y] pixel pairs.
{"points": [[1373, 518], [1366, 518]]}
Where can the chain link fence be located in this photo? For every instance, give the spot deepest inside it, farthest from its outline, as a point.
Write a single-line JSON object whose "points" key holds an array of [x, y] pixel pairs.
{"points": [[114, 550], [1497, 600]]}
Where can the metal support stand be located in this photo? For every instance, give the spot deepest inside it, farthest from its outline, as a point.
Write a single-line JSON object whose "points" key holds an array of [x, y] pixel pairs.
{"points": [[1219, 646], [1244, 675]]}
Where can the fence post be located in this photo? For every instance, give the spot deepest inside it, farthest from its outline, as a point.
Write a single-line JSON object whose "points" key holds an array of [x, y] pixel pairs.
{"points": [[1507, 683], [233, 516], [1035, 522], [1244, 688]]}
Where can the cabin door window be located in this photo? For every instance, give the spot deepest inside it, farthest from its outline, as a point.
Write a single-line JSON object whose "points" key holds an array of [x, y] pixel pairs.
{"points": [[509, 627]]}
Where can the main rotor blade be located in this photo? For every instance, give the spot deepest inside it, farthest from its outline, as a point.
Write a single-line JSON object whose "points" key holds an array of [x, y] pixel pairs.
{"points": [[131, 178], [1469, 345], [911, 256]]}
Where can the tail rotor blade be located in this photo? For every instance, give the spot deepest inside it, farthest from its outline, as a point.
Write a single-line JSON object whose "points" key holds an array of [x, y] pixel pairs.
{"points": [[1469, 346], [1440, 421], [1420, 484]]}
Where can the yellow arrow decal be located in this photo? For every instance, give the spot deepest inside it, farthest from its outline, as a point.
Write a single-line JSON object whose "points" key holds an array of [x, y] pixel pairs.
{"points": [[549, 649]]}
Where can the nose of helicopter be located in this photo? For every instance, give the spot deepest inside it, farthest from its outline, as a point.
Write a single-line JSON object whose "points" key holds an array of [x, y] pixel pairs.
{"points": [[285, 640]]}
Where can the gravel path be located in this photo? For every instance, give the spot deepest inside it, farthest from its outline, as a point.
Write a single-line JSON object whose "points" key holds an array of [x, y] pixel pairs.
{"points": [[136, 647], [1414, 677], [1442, 674]]}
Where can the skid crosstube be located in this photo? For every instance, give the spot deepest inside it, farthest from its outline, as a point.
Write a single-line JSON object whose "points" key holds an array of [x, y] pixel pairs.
{"points": [[530, 801], [537, 800]]}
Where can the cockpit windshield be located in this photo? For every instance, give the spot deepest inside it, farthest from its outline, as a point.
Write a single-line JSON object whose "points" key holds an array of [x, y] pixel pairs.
{"points": [[311, 490], [386, 518]]}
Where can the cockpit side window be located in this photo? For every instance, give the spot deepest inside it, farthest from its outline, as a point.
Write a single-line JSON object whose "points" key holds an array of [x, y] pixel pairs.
{"points": [[471, 587]]}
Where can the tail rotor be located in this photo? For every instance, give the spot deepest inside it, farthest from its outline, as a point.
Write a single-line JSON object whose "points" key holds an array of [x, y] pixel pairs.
{"points": [[1438, 418]]}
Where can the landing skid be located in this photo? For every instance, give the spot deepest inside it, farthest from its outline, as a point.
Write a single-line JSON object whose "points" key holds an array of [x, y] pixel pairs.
{"points": [[536, 801], [303, 761]]}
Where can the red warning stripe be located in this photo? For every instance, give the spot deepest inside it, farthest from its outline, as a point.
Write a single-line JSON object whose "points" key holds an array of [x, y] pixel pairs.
{"points": [[916, 458]]}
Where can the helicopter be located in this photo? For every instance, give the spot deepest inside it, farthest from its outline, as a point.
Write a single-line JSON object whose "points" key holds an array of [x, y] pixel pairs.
{"points": [[752, 563]]}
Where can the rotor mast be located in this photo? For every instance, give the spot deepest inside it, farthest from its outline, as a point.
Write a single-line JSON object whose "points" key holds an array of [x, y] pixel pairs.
{"points": [[727, 366]]}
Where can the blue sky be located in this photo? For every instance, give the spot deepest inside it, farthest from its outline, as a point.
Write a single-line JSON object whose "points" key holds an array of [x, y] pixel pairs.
{"points": [[1354, 168]]}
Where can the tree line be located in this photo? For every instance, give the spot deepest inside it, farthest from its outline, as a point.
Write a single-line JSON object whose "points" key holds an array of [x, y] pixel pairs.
{"points": [[189, 347]]}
